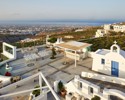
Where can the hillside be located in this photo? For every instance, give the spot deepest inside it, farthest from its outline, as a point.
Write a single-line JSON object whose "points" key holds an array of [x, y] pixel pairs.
{"points": [[106, 42]]}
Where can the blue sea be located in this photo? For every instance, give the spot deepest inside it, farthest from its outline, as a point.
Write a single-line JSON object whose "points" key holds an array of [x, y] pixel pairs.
{"points": [[61, 22]]}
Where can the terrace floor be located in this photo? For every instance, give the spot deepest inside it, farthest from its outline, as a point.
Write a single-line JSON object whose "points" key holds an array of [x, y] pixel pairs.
{"points": [[52, 69]]}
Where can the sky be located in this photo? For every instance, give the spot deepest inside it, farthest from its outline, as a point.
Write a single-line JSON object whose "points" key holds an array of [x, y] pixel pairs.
{"points": [[62, 9]]}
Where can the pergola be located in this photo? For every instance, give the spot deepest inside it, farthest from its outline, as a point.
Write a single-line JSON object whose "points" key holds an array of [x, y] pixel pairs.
{"points": [[73, 46]]}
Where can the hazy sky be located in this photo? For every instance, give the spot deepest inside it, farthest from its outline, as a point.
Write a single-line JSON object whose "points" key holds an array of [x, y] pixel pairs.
{"points": [[62, 9]]}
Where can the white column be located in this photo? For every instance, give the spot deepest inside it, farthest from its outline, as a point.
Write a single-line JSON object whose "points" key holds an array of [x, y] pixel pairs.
{"points": [[3, 47], [75, 59], [40, 81], [15, 52]]}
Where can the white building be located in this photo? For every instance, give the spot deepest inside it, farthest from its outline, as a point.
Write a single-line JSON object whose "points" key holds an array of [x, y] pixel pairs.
{"points": [[114, 27], [119, 28], [110, 62], [107, 27], [81, 88], [79, 30], [100, 33]]}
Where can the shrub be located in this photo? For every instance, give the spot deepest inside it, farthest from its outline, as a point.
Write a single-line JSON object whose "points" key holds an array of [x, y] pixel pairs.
{"points": [[53, 53], [36, 92], [60, 86], [52, 40], [96, 98]]}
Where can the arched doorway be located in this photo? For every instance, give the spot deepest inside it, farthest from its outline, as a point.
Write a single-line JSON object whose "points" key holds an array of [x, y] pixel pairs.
{"points": [[112, 97]]}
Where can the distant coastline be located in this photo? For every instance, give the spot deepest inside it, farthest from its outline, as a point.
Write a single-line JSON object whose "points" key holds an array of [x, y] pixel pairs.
{"points": [[60, 22]]}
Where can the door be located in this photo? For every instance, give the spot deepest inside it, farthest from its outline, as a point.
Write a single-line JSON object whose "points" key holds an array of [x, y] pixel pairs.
{"points": [[115, 68]]}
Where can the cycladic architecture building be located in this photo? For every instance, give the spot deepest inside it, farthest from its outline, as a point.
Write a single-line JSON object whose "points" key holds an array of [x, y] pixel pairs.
{"points": [[100, 33], [81, 88], [114, 27], [110, 62]]}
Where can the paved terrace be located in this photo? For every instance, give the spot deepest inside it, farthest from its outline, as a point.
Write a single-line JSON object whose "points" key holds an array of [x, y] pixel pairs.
{"points": [[55, 70], [52, 69]]}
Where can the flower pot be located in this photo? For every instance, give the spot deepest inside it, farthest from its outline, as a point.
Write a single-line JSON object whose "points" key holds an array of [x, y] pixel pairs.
{"points": [[63, 93]]}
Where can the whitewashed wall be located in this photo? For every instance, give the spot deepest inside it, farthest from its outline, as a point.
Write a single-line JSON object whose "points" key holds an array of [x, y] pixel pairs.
{"points": [[106, 68], [7, 54], [111, 79], [73, 86]]}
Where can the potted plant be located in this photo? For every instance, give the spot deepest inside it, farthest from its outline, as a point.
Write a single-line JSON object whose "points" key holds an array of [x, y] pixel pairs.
{"points": [[36, 92], [96, 98], [61, 88], [53, 53]]}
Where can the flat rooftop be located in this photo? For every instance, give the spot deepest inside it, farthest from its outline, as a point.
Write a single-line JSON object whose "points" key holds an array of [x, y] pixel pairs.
{"points": [[104, 84], [102, 51], [73, 45]]}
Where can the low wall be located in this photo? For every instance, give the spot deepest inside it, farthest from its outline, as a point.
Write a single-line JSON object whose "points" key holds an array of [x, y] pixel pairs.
{"points": [[90, 54], [5, 80], [84, 90], [111, 79]]}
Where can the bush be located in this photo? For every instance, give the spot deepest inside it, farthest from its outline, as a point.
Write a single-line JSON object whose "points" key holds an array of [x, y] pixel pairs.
{"points": [[36, 92], [52, 40], [60, 86], [53, 53], [96, 98]]}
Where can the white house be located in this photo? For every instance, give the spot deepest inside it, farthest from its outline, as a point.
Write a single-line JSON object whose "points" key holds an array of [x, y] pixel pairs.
{"points": [[100, 33], [115, 27], [119, 28], [107, 27], [79, 89], [110, 62], [79, 30]]}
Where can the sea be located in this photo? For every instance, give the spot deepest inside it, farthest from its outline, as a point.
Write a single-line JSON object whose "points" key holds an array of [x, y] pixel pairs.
{"points": [[60, 22]]}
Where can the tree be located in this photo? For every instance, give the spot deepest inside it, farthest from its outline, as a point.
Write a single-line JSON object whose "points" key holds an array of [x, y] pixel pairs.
{"points": [[52, 40]]}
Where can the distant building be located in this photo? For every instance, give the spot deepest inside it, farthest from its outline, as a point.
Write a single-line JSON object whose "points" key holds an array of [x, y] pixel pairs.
{"points": [[115, 27], [107, 27], [100, 33], [110, 62], [119, 28], [79, 30]]}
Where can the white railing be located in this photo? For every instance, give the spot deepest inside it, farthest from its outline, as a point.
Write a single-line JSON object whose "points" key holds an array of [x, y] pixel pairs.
{"points": [[111, 79], [13, 86], [84, 89]]}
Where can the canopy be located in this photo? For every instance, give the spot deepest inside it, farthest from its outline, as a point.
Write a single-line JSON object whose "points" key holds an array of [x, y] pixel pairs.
{"points": [[73, 45]]}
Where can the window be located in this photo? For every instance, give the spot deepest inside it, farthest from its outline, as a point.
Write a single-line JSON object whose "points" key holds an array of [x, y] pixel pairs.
{"points": [[114, 49], [102, 61], [80, 85], [91, 90]]}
